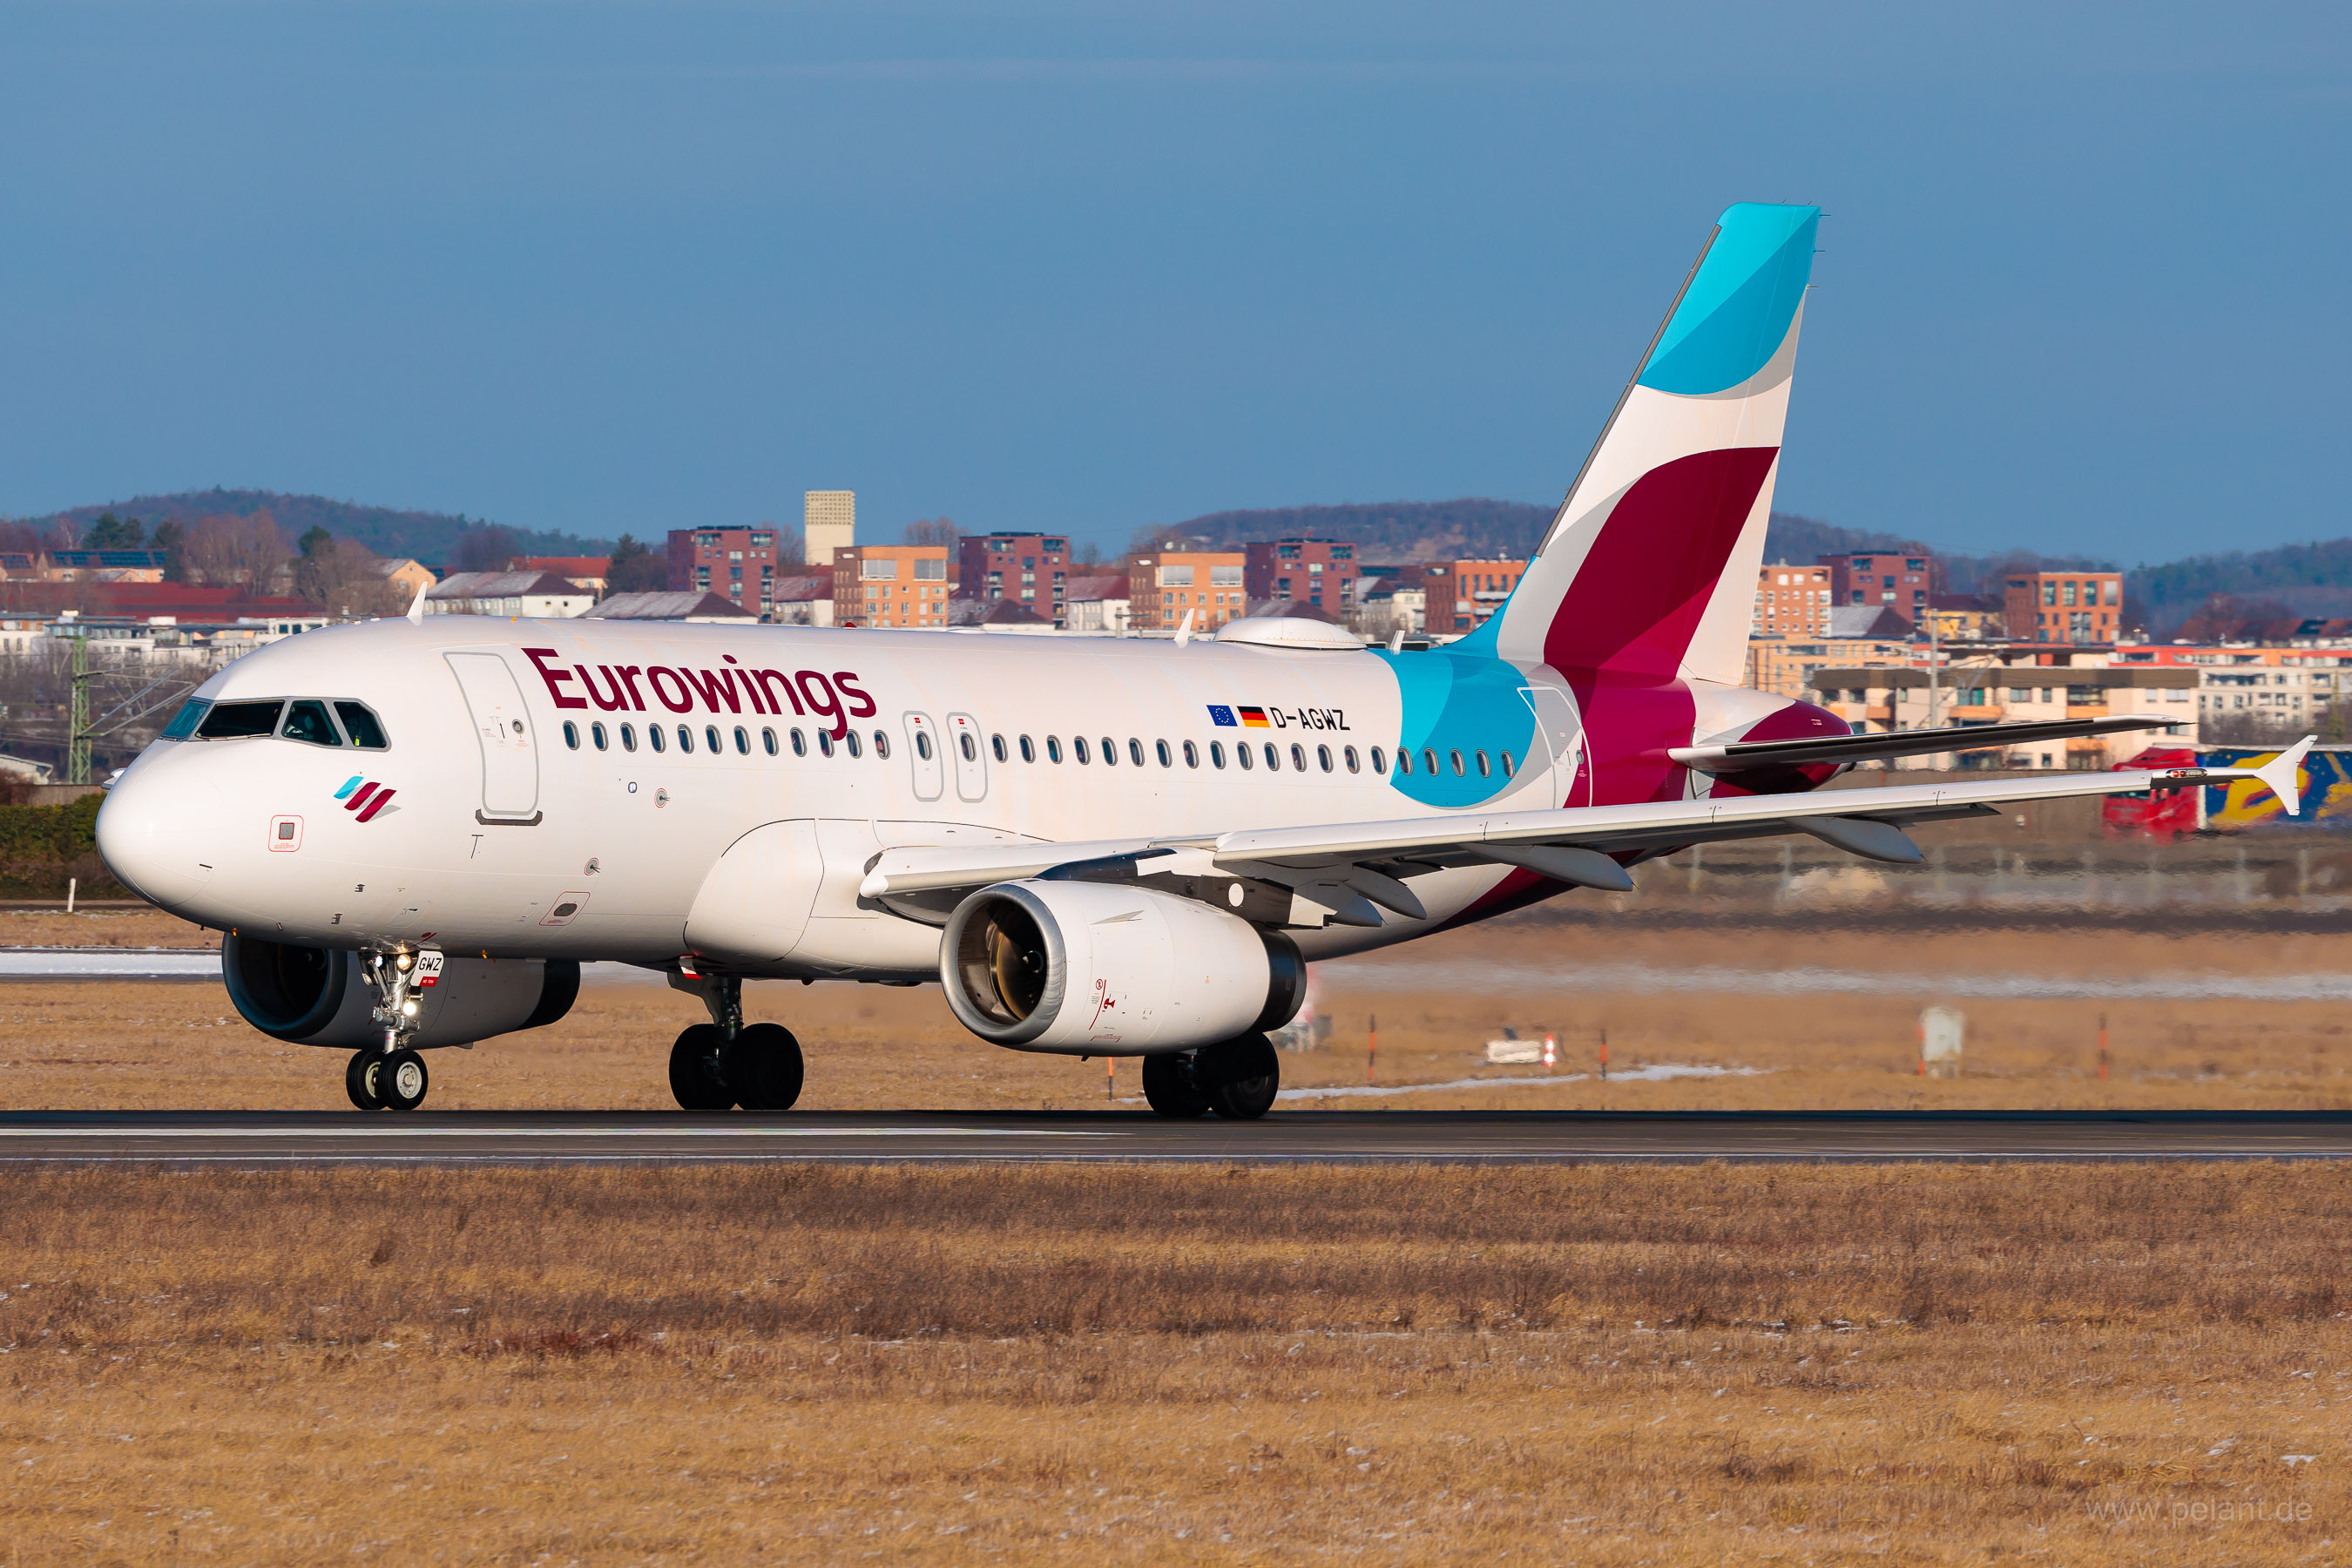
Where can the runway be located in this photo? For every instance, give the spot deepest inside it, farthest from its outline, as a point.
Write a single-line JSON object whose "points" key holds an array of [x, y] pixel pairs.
{"points": [[263, 1140]]}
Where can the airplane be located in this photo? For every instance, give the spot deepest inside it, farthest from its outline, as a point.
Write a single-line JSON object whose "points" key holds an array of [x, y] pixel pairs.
{"points": [[413, 831]]}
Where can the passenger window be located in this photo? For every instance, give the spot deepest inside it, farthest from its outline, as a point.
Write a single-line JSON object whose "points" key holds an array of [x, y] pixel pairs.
{"points": [[970, 751], [1028, 750], [1457, 762], [800, 743], [684, 739], [1380, 761], [1428, 760], [767, 740], [1272, 759], [1191, 755], [1323, 758], [1483, 771], [882, 744], [654, 738], [1508, 771], [996, 744], [711, 738], [824, 742], [308, 722], [571, 735], [1404, 761], [1135, 751], [923, 744], [1079, 747], [743, 742], [1298, 758], [1167, 758], [1110, 752], [596, 734], [1053, 748], [1348, 754], [850, 740], [183, 723], [628, 737], [1216, 753], [360, 723], [1242, 755], [240, 720]]}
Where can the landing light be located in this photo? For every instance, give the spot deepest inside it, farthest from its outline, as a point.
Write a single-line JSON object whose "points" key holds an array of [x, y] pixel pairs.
{"points": [[408, 1009]]}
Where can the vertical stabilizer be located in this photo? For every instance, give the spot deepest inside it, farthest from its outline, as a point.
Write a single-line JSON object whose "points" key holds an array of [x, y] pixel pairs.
{"points": [[1649, 568]]}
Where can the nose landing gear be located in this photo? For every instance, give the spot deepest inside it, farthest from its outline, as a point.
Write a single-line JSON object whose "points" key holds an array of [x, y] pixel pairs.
{"points": [[392, 1076], [727, 1062]]}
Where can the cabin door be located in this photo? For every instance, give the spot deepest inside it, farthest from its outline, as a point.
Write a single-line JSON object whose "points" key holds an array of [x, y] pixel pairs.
{"points": [[502, 728]]}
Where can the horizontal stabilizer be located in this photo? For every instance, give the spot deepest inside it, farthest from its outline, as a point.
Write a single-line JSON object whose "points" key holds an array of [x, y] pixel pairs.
{"points": [[1744, 754]]}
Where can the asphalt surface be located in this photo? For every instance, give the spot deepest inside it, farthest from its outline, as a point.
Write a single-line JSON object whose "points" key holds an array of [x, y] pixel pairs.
{"points": [[273, 1139]]}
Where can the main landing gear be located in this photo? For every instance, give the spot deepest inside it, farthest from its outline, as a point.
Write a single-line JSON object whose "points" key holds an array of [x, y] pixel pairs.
{"points": [[1237, 1079], [392, 1076], [727, 1062]]}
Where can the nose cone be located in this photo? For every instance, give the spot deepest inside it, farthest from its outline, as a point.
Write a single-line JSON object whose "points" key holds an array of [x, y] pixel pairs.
{"points": [[160, 831]]}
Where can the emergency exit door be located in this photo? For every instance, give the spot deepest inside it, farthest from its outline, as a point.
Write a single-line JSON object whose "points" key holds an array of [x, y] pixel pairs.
{"points": [[502, 727]]}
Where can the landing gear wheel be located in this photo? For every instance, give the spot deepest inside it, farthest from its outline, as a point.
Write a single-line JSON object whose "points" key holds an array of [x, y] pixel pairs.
{"points": [[360, 1080], [1241, 1076], [762, 1067], [694, 1075], [1168, 1083], [401, 1080]]}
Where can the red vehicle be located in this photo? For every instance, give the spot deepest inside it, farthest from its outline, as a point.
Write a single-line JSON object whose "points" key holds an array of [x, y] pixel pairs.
{"points": [[2168, 817]]}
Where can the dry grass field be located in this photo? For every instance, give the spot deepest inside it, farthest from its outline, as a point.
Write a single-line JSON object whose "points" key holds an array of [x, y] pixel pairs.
{"points": [[2074, 1365]]}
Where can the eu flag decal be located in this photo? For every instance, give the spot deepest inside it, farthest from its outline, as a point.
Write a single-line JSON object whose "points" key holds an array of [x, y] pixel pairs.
{"points": [[1220, 714]]}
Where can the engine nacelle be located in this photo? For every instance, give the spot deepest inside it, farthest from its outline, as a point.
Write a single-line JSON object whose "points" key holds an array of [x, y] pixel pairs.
{"points": [[1097, 968], [317, 995]]}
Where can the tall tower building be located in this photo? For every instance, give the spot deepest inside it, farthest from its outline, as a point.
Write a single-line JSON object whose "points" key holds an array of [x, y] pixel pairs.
{"points": [[829, 523]]}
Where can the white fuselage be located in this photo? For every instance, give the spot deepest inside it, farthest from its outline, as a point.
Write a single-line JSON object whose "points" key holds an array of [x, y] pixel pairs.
{"points": [[502, 838]]}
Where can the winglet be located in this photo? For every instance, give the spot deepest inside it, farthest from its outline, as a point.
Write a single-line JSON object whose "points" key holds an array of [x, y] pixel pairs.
{"points": [[416, 607], [1184, 632], [2280, 773]]}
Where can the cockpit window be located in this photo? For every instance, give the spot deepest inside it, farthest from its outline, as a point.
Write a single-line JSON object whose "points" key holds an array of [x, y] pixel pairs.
{"points": [[360, 722], [238, 721], [307, 721], [183, 723]]}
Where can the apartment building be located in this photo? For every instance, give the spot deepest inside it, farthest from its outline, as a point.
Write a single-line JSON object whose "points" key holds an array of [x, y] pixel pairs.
{"points": [[1031, 570], [1867, 577], [1785, 667], [891, 586], [1460, 595], [1161, 585], [1791, 601], [2077, 607], [2292, 685], [1988, 691], [737, 563], [1320, 572]]}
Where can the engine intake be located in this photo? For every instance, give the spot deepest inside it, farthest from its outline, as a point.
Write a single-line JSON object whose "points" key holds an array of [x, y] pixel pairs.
{"points": [[317, 996], [1089, 967]]}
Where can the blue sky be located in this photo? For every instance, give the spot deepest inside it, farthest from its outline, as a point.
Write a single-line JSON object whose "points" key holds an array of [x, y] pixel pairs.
{"points": [[1089, 267]]}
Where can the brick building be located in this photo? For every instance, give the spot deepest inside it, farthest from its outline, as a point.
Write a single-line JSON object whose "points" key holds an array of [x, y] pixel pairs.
{"points": [[1161, 585], [1865, 577], [1318, 572], [891, 586], [1791, 601], [2063, 607], [1031, 570], [736, 564], [1461, 594]]}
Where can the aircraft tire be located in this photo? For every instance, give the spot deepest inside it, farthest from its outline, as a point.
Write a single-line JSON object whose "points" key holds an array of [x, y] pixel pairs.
{"points": [[1242, 1077], [360, 1079], [401, 1080], [694, 1077], [763, 1068], [1170, 1086]]}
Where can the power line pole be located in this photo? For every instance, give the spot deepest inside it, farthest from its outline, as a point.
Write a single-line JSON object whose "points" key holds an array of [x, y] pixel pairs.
{"points": [[77, 716]]}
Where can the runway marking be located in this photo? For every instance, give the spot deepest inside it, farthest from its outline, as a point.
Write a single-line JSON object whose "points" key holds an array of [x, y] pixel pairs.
{"points": [[1656, 1073], [1526, 979]]}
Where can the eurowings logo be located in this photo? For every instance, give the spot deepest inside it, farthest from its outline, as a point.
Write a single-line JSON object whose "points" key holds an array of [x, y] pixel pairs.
{"points": [[363, 797]]}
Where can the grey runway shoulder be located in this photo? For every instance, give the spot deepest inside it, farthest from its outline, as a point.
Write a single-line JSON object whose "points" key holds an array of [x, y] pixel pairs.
{"points": [[267, 1139]]}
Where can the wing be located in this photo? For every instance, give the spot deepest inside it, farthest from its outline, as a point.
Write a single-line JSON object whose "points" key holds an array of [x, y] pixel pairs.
{"points": [[1744, 754], [1354, 869]]}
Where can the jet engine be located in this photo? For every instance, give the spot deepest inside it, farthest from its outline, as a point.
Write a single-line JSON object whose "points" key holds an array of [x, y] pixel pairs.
{"points": [[1101, 968], [317, 995]]}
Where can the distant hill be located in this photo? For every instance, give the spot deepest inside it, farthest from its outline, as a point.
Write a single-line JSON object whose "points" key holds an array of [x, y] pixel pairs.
{"points": [[431, 537]]}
